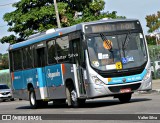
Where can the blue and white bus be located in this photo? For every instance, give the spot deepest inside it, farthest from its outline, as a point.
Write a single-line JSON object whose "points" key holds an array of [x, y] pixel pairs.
{"points": [[84, 61]]}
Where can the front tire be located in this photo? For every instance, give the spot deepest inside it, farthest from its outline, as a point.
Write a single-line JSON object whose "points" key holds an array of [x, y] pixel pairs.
{"points": [[72, 99], [125, 98]]}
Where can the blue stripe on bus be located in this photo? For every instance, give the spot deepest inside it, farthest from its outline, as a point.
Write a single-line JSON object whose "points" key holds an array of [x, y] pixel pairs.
{"points": [[41, 77], [129, 79]]}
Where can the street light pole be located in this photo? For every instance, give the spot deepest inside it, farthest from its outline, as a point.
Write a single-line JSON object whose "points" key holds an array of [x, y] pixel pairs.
{"points": [[57, 15]]}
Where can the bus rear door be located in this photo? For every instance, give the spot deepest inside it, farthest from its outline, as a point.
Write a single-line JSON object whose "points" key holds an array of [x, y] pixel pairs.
{"points": [[40, 50]]}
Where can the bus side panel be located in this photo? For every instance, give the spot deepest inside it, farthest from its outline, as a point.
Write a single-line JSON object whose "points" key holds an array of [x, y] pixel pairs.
{"points": [[18, 84], [30, 76], [55, 82], [70, 73], [42, 84]]}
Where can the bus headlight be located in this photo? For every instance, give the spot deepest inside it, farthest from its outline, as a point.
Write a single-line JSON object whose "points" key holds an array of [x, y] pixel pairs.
{"points": [[96, 80], [148, 74]]}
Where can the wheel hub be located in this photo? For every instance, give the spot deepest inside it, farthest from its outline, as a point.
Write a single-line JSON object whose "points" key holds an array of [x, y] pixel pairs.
{"points": [[74, 96]]}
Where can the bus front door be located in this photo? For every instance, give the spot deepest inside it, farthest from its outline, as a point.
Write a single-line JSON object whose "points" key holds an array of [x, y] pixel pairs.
{"points": [[77, 60]]}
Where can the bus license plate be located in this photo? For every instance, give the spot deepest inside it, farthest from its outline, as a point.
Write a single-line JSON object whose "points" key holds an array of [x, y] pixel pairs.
{"points": [[126, 90]]}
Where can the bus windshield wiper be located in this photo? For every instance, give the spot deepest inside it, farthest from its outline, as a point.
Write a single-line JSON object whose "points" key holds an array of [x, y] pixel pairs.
{"points": [[126, 41]]}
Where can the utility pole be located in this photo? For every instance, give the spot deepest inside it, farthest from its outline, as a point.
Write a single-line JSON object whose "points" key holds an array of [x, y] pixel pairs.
{"points": [[57, 15]]}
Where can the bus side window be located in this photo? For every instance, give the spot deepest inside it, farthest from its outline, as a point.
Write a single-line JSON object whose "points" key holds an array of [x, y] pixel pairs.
{"points": [[17, 60], [51, 52], [11, 61], [27, 58], [62, 47], [75, 44], [76, 50], [40, 57]]}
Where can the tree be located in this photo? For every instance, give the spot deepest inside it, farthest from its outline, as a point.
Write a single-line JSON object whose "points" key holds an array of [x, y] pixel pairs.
{"points": [[153, 22], [154, 52], [33, 16], [4, 61], [151, 40]]}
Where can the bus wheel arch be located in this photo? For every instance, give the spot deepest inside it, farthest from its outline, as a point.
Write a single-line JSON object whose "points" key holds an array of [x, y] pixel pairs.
{"points": [[30, 85]]}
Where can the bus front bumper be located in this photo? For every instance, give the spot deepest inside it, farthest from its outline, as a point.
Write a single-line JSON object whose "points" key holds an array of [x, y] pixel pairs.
{"points": [[103, 90]]}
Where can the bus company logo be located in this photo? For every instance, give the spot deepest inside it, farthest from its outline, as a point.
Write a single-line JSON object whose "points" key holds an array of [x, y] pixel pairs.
{"points": [[52, 75]]}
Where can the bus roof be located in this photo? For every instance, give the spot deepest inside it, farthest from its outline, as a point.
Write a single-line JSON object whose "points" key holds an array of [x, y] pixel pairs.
{"points": [[58, 32]]}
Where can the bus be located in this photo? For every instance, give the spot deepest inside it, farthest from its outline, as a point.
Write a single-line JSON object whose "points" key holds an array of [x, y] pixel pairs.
{"points": [[85, 61]]}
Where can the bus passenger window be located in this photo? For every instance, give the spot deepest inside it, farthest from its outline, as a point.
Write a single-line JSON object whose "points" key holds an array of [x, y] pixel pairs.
{"points": [[51, 52], [17, 59], [40, 54], [62, 47], [27, 58], [11, 61]]}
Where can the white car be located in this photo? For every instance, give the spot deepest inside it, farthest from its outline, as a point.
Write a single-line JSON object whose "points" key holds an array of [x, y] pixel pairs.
{"points": [[5, 93]]}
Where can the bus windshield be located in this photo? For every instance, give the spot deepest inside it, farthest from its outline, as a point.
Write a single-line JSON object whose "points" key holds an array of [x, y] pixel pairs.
{"points": [[128, 51]]}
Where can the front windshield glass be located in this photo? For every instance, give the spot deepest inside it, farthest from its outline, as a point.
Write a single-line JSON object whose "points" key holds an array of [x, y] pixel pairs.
{"points": [[128, 51]]}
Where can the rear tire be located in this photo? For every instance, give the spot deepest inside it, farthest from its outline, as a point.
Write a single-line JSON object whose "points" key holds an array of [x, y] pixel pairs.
{"points": [[32, 99], [124, 98]]}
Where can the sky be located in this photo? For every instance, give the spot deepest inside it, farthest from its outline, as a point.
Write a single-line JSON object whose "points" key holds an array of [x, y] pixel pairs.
{"points": [[129, 8]]}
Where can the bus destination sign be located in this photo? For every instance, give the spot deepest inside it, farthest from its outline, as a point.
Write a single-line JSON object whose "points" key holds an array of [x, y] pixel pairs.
{"points": [[109, 27]]}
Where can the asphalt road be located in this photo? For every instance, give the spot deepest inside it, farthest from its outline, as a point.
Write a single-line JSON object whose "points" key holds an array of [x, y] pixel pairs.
{"points": [[140, 104]]}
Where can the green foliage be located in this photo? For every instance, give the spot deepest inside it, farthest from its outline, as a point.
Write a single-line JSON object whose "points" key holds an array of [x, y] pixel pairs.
{"points": [[153, 22], [151, 40], [154, 52], [5, 77], [4, 61], [33, 16], [97, 5]]}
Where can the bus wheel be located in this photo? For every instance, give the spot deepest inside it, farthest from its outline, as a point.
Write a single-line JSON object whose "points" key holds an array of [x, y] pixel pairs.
{"points": [[72, 97], [124, 98], [32, 99]]}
